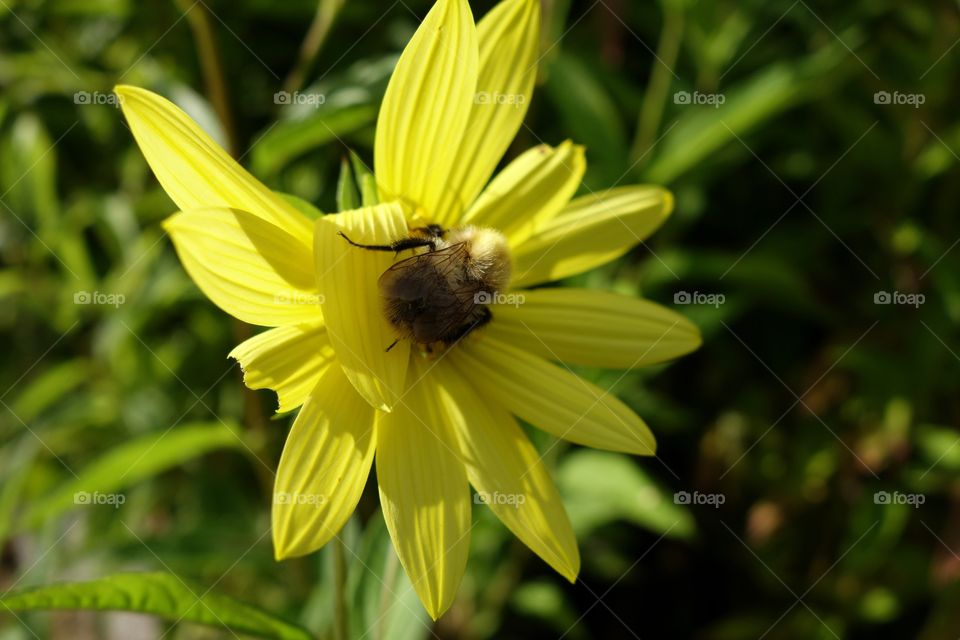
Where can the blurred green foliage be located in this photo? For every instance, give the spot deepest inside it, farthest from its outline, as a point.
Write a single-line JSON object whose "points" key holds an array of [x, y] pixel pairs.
{"points": [[802, 195]]}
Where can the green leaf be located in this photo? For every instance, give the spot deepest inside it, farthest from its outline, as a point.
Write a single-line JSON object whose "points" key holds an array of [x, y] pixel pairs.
{"points": [[52, 385], [590, 114], [31, 193], [700, 131], [347, 197], [365, 178], [28, 182], [939, 446], [129, 463], [160, 594], [302, 205], [337, 106], [548, 602], [290, 139], [599, 487], [17, 463], [383, 599]]}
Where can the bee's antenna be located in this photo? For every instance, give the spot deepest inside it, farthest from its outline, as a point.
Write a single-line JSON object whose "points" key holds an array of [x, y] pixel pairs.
{"points": [[392, 344]]}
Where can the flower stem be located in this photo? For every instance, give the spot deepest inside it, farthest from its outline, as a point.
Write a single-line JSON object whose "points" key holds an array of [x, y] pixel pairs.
{"points": [[212, 67], [658, 88], [323, 19], [339, 589], [386, 593]]}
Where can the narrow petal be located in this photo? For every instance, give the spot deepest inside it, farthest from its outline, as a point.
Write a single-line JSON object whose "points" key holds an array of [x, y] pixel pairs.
{"points": [[551, 398], [248, 267], [509, 38], [351, 303], [287, 359], [424, 495], [594, 328], [507, 472], [194, 171], [589, 232], [530, 190], [424, 113], [324, 466]]}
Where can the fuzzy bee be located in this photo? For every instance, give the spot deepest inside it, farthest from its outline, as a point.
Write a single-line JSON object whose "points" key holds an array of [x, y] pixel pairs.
{"points": [[442, 293]]}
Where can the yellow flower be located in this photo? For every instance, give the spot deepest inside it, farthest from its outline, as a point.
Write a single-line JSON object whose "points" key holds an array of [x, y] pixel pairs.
{"points": [[437, 424]]}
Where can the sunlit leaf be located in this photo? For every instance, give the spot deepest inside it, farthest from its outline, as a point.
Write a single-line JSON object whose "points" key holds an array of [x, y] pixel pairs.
{"points": [[160, 594], [128, 463], [599, 487]]}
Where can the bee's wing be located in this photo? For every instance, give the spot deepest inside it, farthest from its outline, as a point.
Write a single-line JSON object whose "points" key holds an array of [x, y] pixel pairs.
{"points": [[431, 279], [416, 277]]}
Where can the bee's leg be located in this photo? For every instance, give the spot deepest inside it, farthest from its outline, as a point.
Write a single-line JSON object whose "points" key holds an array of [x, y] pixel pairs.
{"points": [[484, 317], [432, 230], [413, 243], [396, 246]]}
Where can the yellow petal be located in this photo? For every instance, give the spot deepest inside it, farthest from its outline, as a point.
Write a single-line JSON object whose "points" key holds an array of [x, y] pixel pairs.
{"points": [[351, 303], [594, 328], [424, 495], [287, 359], [248, 267], [509, 38], [531, 189], [551, 398], [507, 473], [324, 466], [194, 171], [590, 231], [425, 111]]}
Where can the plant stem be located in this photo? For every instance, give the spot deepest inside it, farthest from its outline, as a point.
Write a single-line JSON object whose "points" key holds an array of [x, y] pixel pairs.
{"points": [[658, 88], [339, 589], [216, 85], [386, 593], [323, 20]]}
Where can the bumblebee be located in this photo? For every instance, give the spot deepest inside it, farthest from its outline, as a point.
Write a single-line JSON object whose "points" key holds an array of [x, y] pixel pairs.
{"points": [[443, 292]]}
